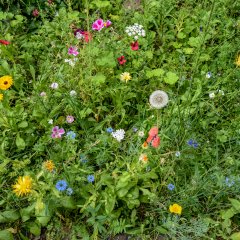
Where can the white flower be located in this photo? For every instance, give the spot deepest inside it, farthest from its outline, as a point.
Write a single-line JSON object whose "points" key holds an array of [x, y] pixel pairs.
{"points": [[79, 35], [221, 92], [118, 134], [141, 133], [158, 99], [212, 95], [43, 94], [208, 75], [177, 154], [136, 37], [54, 85], [50, 121], [73, 93]]}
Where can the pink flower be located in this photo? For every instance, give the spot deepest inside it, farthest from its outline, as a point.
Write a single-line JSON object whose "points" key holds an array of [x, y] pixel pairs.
{"points": [[73, 50], [98, 25], [43, 94], [4, 42], [70, 119], [108, 23], [35, 12], [57, 133], [121, 60], [134, 46]]}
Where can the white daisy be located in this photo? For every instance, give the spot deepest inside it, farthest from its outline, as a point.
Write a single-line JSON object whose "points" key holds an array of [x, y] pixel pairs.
{"points": [[212, 95], [118, 134], [158, 99], [73, 93]]}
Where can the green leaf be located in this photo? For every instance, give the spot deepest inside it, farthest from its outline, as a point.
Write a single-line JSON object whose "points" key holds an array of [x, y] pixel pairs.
{"points": [[155, 73], [161, 230], [20, 142], [188, 50], [98, 79], [9, 216], [171, 78], [181, 35], [228, 213], [68, 202], [123, 180], [27, 212], [110, 203], [107, 61], [23, 124], [32, 71], [6, 235], [235, 203], [194, 41], [235, 236], [34, 228]]}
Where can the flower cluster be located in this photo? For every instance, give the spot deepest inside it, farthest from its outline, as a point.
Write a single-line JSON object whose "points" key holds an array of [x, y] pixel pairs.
{"points": [[81, 34], [136, 31]]}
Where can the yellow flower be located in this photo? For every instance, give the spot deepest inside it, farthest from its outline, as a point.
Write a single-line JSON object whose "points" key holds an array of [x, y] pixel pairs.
{"points": [[145, 145], [175, 208], [23, 186], [238, 61], [6, 82], [125, 76], [1, 96], [49, 165], [143, 158]]}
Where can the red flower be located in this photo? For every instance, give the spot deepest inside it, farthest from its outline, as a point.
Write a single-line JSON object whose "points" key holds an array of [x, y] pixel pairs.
{"points": [[35, 12], [4, 42], [87, 36], [83, 34], [121, 60], [153, 138], [134, 46]]}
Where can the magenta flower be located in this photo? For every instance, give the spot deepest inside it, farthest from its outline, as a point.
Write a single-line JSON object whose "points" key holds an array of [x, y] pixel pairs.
{"points": [[57, 133], [73, 51], [98, 25], [70, 119], [108, 23]]}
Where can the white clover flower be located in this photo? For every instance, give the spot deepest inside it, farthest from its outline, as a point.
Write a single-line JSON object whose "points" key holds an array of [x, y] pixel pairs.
{"points": [[158, 99], [118, 134], [221, 92], [208, 75], [141, 133], [50, 121], [212, 95], [73, 93], [54, 85]]}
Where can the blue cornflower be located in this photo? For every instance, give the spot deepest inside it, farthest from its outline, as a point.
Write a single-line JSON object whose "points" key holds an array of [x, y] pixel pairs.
{"points": [[69, 191], [192, 143], [229, 182], [61, 185], [109, 130], [170, 186], [71, 134], [90, 178]]}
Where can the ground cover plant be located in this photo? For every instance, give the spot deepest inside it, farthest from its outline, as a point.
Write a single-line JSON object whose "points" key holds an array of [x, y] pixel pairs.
{"points": [[119, 117]]}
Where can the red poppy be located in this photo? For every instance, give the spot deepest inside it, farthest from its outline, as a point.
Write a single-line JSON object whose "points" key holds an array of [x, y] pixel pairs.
{"points": [[134, 46], [4, 42], [156, 141], [153, 138], [121, 60]]}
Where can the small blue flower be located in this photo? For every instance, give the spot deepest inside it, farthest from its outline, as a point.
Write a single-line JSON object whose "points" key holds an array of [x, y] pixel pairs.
{"points": [[69, 191], [177, 154], [192, 143], [109, 130], [135, 129], [83, 158], [71, 134], [208, 75], [90, 178], [229, 182], [61, 185], [170, 186]]}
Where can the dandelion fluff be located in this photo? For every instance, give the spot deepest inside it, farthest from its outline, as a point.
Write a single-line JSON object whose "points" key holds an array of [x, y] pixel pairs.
{"points": [[158, 99]]}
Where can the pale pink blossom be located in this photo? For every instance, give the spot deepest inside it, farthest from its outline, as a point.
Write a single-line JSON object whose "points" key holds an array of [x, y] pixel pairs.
{"points": [[73, 51], [57, 133]]}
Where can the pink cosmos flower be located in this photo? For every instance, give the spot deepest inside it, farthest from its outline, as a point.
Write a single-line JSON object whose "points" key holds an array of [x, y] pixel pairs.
{"points": [[73, 50], [70, 119], [98, 25], [108, 23], [57, 133]]}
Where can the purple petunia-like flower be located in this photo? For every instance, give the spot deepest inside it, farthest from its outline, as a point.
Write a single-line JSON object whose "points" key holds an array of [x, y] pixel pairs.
{"points": [[73, 51], [98, 25], [56, 132]]}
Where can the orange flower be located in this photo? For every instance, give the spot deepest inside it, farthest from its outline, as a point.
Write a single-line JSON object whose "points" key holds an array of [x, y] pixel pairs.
{"points": [[145, 145], [143, 158], [49, 165]]}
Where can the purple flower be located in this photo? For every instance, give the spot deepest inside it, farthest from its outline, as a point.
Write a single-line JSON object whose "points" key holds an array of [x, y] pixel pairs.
{"points": [[57, 133], [170, 186], [192, 143], [108, 23], [54, 85], [98, 25], [73, 51], [70, 119]]}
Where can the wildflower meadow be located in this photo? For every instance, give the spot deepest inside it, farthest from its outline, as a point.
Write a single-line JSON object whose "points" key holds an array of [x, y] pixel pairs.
{"points": [[119, 119]]}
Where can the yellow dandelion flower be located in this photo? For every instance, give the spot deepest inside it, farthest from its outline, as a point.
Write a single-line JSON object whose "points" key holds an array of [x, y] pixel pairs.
{"points": [[49, 165], [238, 61], [125, 77], [143, 158], [6, 82], [23, 186], [1, 96], [175, 208]]}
